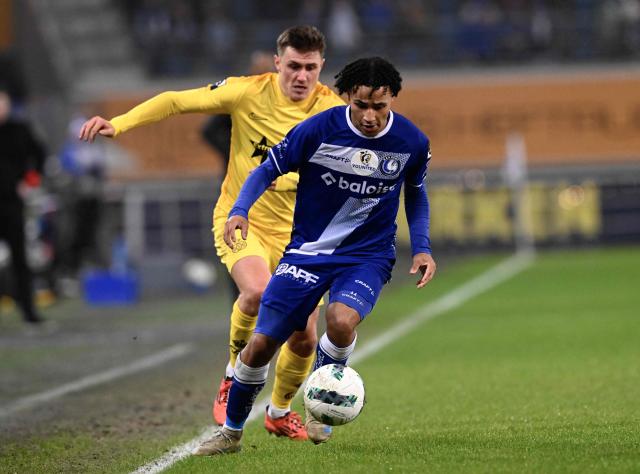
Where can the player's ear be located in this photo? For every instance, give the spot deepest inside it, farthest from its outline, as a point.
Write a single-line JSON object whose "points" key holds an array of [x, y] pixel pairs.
{"points": [[276, 62]]}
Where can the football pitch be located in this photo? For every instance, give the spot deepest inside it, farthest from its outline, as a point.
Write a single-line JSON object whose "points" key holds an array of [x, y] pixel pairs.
{"points": [[539, 373]]}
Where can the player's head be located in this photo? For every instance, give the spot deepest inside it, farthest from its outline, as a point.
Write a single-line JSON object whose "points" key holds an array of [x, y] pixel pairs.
{"points": [[299, 60], [370, 85]]}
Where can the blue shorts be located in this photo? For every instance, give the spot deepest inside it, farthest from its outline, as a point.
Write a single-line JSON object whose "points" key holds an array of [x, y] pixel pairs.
{"points": [[297, 286]]}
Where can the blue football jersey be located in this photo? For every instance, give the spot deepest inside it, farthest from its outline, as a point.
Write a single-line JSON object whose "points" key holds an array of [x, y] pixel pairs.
{"points": [[348, 193]]}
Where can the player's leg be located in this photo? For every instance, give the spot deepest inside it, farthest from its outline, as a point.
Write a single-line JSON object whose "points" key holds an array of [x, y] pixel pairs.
{"points": [[250, 375], [293, 364], [354, 291], [251, 276], [284, 300], [249, 268], [339, 340], [353, 294], [292, 368]]}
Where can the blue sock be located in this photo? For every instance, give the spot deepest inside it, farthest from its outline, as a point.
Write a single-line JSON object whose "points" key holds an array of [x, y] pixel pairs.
{"points": [[328, 353], [241, 398], [247, 383]]}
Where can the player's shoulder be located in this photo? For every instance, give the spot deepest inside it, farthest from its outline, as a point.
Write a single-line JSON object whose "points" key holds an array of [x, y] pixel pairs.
{"points": [[327, 96], [257, 82], [404, 127], [328, 118]]}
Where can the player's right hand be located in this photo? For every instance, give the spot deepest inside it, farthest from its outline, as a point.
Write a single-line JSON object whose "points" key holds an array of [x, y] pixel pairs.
{"points": [[230, 227], [94, 126]]}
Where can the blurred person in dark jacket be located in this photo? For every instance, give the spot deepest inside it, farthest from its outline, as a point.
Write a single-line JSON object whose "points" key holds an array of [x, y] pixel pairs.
{"points": [[84, 166], [21, 160]]}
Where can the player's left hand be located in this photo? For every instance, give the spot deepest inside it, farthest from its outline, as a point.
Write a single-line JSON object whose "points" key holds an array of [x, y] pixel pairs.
{"points": [[233, 223], [427, 266]]}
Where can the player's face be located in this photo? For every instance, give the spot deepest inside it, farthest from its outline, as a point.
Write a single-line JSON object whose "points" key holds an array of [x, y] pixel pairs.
{"points": [[298, 72], [370, 109]]}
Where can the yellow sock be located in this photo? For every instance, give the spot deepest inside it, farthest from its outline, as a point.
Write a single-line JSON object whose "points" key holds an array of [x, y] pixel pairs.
{"points": [[291, 370], [242, 326]]}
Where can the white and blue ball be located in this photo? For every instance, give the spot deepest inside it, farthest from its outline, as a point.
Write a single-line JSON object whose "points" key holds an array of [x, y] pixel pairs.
{"points": [[334, 394]]}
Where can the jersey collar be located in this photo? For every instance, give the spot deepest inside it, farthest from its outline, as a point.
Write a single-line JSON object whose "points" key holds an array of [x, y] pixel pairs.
{"points": [[353, 128]]}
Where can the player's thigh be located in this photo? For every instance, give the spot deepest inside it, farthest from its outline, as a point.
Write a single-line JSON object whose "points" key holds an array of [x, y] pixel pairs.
{"points": [[273, 243], [290, 297], [359, 286], [247, 262], [251, 274]]}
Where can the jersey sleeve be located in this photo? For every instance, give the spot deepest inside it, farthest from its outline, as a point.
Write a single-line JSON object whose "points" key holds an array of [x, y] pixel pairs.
{"points": [[295, 148], [218, 98], [418, 172]]}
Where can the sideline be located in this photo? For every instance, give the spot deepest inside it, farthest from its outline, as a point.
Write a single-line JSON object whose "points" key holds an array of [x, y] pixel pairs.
{"points": [[484, 282], [159, 358]]}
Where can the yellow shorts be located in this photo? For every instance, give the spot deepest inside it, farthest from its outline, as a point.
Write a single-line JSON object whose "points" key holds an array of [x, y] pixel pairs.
{"points": [[259, 243], [268, 246]]}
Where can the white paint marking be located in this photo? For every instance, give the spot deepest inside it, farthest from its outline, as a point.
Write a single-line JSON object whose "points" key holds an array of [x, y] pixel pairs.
{"points": [[154, 360], [474, 287]]}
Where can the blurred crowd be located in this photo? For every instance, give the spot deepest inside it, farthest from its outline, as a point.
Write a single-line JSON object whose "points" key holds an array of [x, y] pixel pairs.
{"points": [[180, 37]]}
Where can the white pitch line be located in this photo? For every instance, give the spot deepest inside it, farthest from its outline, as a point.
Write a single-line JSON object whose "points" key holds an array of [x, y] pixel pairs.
{"points": [[485, 281], [148, 362]]}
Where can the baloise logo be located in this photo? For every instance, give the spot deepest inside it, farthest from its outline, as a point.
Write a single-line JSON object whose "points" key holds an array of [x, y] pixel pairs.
{"points": [[363, 187]]}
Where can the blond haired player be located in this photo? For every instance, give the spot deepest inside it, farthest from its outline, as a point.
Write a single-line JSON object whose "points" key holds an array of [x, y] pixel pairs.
{"points": [[263, 109]]}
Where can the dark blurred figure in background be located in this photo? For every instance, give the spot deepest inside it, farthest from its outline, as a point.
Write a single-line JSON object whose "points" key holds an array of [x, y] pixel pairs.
{"points": [[84, 168], [21, 160]]}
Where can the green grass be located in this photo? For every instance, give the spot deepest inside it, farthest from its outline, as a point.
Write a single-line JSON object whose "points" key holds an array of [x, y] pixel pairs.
{"points": [[540, 374]]}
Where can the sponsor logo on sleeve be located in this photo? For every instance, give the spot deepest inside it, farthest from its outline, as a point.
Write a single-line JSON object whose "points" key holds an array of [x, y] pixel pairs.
{"points": [[218, 84]]}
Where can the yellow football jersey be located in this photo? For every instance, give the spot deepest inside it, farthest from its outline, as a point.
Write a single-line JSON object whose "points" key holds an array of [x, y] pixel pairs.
{"points": [[261, 116]]}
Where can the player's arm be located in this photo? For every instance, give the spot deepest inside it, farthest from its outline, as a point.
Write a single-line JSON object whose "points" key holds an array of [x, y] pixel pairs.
{"points": [[255, 185], [416, 206], [284, 157], [203, 99]]}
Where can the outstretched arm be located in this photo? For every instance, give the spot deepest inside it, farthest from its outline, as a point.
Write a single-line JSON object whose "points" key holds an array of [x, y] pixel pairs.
{"points": [[417, 209], [157, 108], [252, 189]]}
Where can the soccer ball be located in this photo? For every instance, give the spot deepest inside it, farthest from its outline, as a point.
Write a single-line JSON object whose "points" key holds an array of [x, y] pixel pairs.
{"points": [[334, 394]]}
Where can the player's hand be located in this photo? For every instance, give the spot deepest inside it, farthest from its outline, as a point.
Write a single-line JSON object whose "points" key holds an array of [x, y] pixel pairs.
{"points": [[427, 266], [230, 227], [94, 126]]}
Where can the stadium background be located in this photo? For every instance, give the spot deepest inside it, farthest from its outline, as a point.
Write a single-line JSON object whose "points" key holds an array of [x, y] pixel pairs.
{"points": [[563, 76], [556, 83]]}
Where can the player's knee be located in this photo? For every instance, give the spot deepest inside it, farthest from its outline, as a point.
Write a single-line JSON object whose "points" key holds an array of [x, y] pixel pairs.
{"points": [[259, 351], [249, 300], [340, 330]]}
